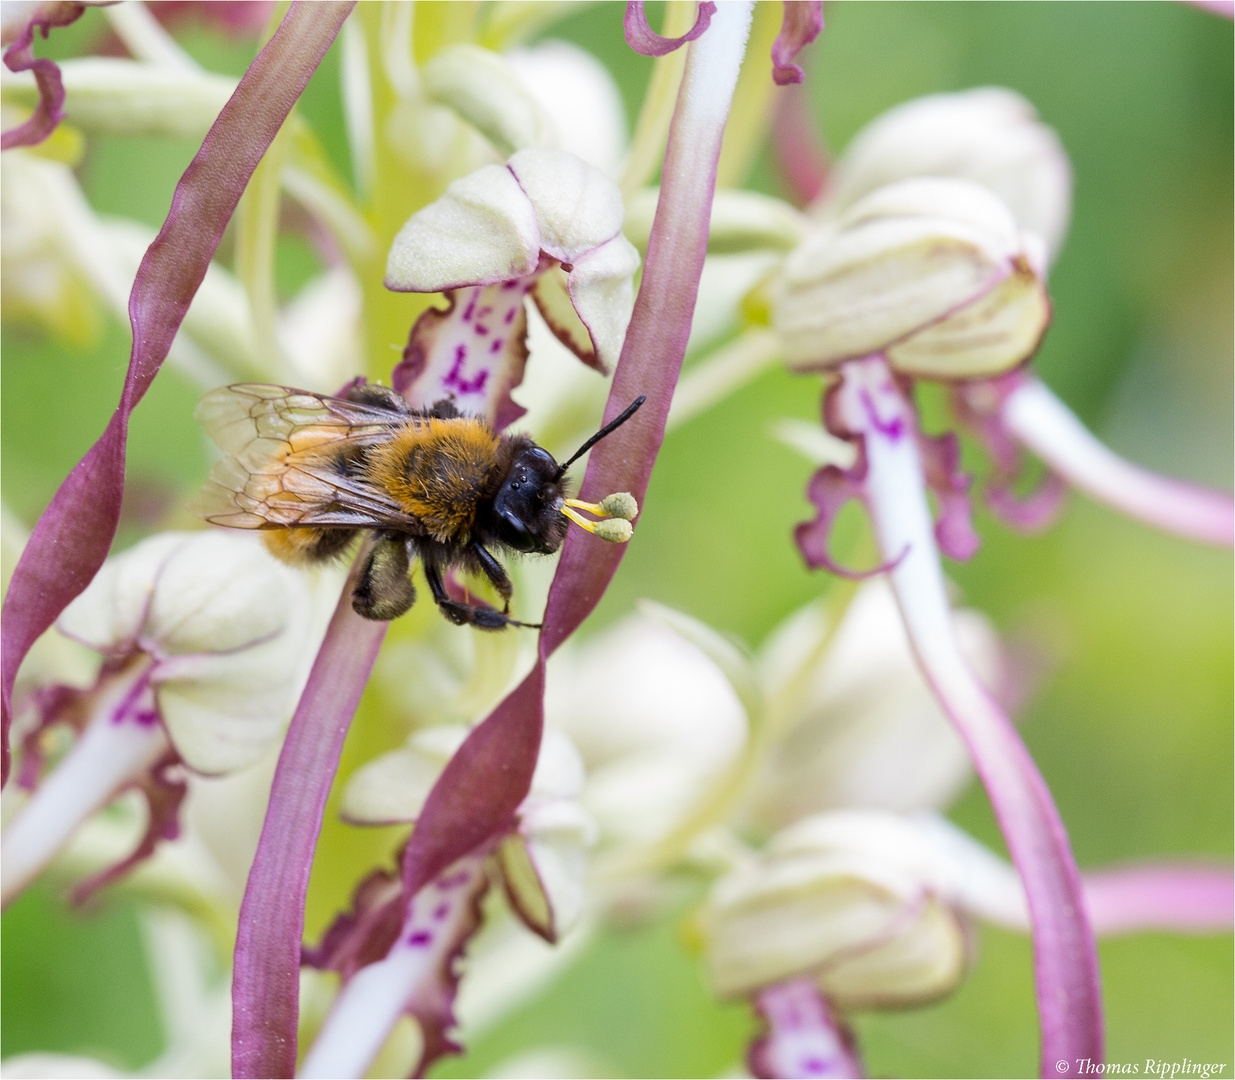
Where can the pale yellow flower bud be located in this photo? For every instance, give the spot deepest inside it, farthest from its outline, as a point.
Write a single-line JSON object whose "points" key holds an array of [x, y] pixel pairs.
{"points": [[933, 273]]}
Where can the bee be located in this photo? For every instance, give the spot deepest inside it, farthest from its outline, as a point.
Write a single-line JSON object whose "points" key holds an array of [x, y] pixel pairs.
{"points": [[315, 471]]}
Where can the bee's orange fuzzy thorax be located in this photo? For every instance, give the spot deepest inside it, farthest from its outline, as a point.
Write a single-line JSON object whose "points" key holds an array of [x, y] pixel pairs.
{"points": [[437, 471]]}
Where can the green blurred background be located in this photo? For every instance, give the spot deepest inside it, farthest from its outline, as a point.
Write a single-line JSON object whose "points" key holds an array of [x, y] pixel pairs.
{"points": [[1134, 728]]}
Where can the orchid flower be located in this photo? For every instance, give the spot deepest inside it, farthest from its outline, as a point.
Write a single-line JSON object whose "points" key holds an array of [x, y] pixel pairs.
{"points": [[203, 638], [488, 245], [868, 909]]}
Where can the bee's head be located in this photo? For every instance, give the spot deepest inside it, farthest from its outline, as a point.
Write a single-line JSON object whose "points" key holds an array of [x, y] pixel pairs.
{"points": [[527, 509], [531, 509]]}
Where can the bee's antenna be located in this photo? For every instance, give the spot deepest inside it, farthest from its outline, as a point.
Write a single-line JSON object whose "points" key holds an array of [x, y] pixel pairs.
{"points": [[610, 427]]}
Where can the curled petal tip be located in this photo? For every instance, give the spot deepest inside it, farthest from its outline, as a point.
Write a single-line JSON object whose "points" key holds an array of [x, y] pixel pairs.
{"points": [[803, 20], [645, 41]]}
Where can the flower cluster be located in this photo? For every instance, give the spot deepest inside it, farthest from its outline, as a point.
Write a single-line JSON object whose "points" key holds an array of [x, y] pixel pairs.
{"points": [[395, 831]]}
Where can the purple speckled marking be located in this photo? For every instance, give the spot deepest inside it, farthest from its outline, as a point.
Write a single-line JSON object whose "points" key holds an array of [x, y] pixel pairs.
{"points": [[455, 379], [510, 315], [419, 938], [467, 311], [814, 1067], [441, 911], [497, 345], [512, 284], [481, 329], [894, 429]]}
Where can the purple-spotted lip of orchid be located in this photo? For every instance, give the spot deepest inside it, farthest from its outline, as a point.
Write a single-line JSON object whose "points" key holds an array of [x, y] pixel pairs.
{"points": [[545, 224]]}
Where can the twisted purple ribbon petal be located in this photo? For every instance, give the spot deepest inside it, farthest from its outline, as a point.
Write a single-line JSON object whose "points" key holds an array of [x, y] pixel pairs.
{"points": [[645, 41], [802, 22], [20, 57]]}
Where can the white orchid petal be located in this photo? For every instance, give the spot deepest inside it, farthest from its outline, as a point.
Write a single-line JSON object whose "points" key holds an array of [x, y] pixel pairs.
{"points": [[111, 612], [545, 864], [859, 900], [484, 89], [601, 287], [579, 208], [990, 135], [216, 595], [228, 627], [551, 295], [483, 230]]}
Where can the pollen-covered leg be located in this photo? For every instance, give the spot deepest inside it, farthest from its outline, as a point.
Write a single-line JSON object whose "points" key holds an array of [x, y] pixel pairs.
{"points": [[467, 614], [383, 588]]}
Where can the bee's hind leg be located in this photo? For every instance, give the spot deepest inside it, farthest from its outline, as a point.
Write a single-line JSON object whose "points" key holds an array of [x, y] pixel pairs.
{"points": [[383, 588], [483, 618]]}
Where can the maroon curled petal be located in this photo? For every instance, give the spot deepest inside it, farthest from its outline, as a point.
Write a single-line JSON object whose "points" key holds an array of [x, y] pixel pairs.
{"points": [[830, 489], [364, 934], [1032, 513], [978, 407], [802, 1036], [164, 788], [72, 538], [941, 462], [800, 26], [480, 789], [645, 41], [20, 57]]}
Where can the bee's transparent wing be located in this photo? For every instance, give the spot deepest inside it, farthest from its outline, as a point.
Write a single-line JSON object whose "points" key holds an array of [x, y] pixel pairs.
{"points": [[285, 460]]}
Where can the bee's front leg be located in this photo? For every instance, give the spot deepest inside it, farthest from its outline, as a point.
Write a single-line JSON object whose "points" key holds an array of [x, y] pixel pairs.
{"points": [[495, 572], [466, 614]]}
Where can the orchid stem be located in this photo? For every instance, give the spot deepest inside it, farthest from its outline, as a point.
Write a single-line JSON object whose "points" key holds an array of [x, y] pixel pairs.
{"points": [[871, 405], [1043, 423]]}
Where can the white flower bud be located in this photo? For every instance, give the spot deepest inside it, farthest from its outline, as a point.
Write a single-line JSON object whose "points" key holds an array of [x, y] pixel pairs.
{"points": [[486, 91], [863, 902], [933, 273], [990, 135]]}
